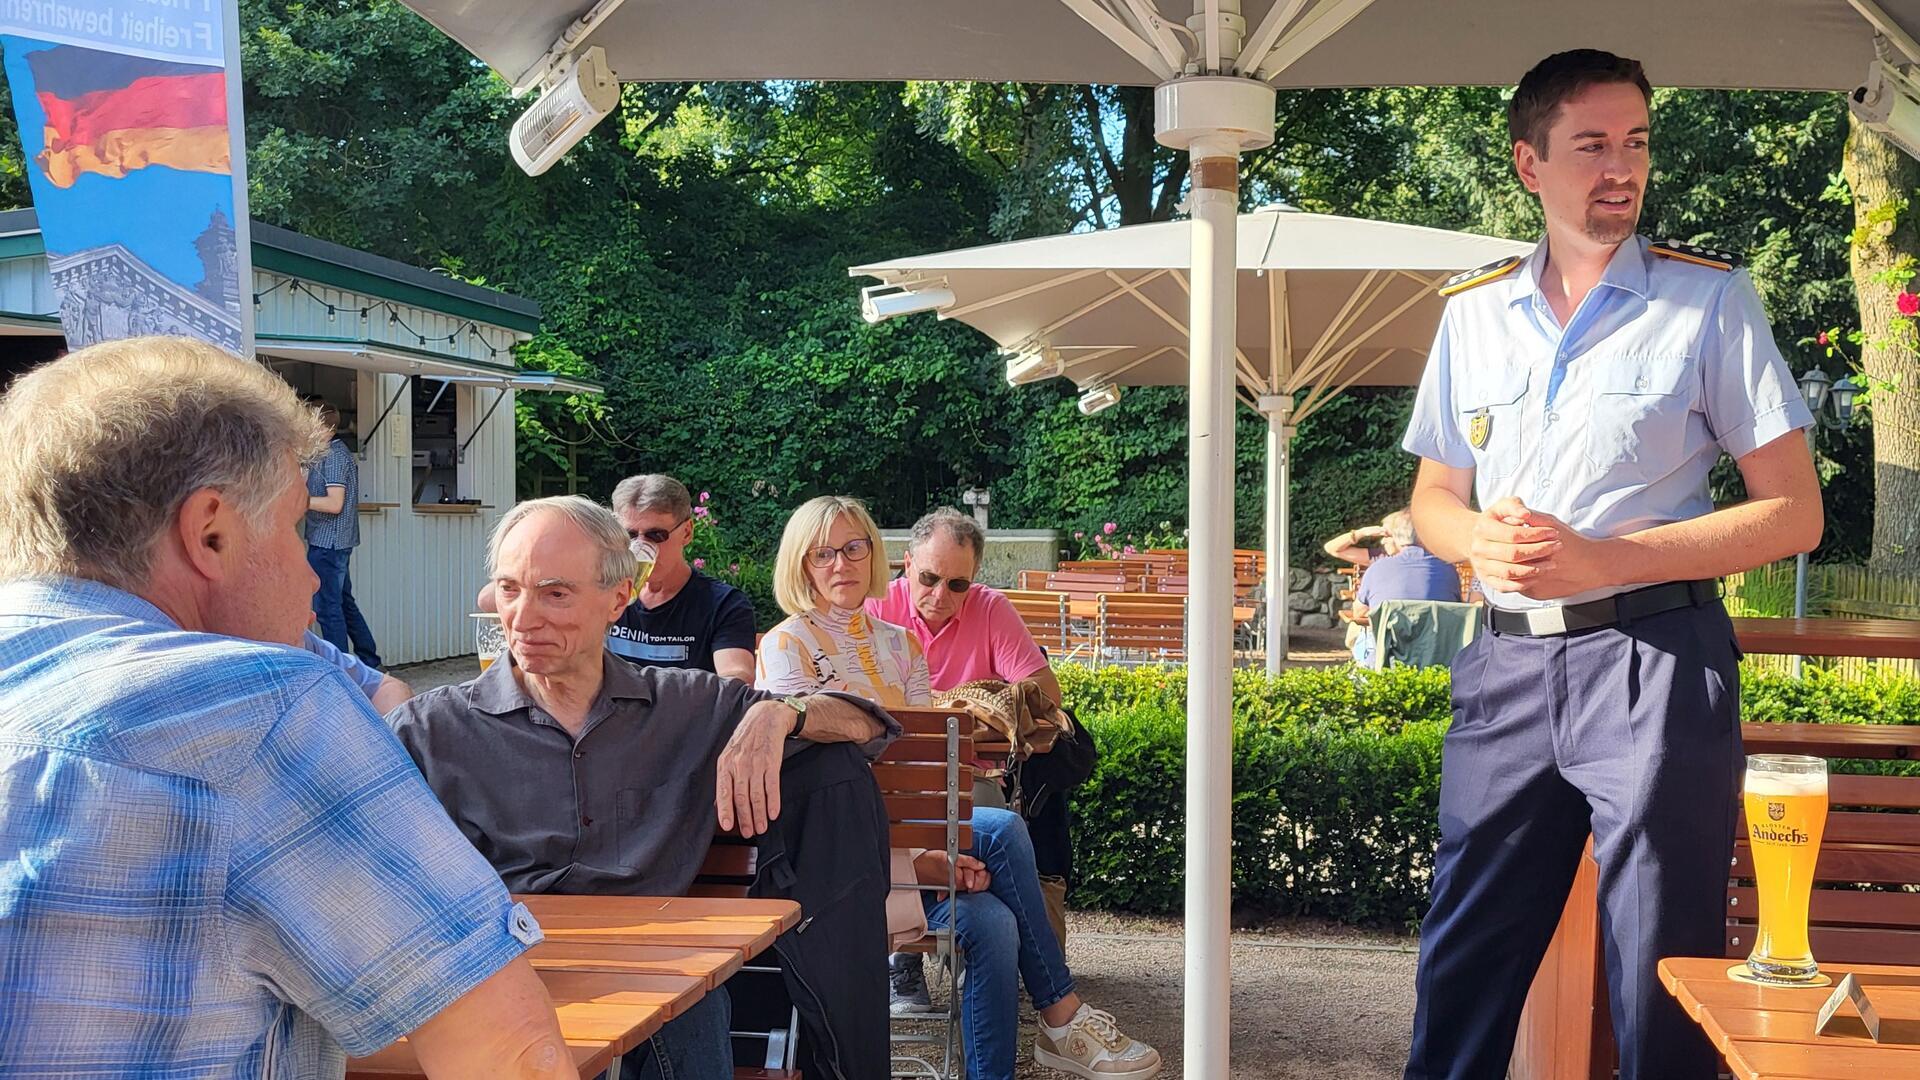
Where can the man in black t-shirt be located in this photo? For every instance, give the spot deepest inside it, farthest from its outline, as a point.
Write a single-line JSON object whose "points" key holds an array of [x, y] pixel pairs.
{"points": [[682, 618]]}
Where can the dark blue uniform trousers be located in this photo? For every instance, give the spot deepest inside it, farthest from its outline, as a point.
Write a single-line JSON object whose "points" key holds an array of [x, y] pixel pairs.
{"points": [[1631, 732]]}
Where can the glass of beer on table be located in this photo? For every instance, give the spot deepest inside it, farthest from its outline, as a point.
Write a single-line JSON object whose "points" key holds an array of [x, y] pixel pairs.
{"points": [[1786, 803], [489, 638], [643, 557]]}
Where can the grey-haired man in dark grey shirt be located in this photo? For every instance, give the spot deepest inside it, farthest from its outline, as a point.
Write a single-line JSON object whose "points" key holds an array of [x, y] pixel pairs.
{"points": [[573, 771]]}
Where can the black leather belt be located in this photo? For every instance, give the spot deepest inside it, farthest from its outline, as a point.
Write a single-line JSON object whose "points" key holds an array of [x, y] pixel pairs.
{"points": [[1611, 611]]}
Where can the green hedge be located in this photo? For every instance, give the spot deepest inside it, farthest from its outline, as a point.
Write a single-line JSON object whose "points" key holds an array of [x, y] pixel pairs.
{"points": [[1336, 782]]}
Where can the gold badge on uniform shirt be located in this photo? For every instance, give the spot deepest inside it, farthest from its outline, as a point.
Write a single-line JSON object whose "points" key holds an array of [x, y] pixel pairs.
{"points": [[1478, 428]]}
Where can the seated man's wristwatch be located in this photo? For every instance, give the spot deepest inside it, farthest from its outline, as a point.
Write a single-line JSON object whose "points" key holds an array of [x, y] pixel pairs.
{"points": [[799, 705]]}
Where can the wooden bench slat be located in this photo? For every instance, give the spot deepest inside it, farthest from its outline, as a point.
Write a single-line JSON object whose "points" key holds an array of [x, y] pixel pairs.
{"points": [[1879, 864], [591, 1057], [928, 748], [694, 960], [1892, 792], [1852, 827], [918, 778], [1840, 944], [1875, 741], [902, 806], [927, 720], [1839, 907], [927, 835]]}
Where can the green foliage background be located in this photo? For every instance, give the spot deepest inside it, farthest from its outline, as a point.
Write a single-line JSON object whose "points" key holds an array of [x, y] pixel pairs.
{"points": [[692, 253], [1336, 781]]}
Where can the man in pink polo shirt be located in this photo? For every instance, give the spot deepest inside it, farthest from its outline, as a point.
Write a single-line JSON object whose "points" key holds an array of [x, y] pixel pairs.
{"points": [[968, 631]]}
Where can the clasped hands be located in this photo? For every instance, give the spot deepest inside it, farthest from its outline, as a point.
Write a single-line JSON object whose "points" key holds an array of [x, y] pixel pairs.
{"points": [[1517, 549]]}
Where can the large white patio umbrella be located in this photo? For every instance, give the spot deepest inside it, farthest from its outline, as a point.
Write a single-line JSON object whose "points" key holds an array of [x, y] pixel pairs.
{"points": [[1215, 63], [1325, 303]]}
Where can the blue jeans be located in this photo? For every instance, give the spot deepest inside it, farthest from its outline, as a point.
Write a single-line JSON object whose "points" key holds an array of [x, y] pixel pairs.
{"points": [[696, 1045], [1006, 940], [340, 619]]}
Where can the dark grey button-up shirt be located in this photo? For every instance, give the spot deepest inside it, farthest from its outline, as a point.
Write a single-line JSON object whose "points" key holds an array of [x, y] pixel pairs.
{"points": [[625, 808]]}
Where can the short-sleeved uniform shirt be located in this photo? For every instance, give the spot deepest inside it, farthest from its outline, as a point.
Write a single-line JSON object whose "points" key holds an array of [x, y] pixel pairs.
{"points": [[985, 640], [337, 468], [215, 860], [1612, 423], [704, 617], [625, 808], [1412, 573]]}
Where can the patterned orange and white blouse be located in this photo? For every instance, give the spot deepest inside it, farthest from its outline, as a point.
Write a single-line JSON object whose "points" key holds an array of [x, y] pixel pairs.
{"points": [[849, 651]]}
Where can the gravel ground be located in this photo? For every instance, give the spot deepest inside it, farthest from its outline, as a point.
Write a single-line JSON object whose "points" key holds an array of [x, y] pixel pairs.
{"points": [[1311, 1001]]}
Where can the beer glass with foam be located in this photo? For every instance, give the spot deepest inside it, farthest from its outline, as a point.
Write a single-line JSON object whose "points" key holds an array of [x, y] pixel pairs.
{"points": [[1786, 803]]}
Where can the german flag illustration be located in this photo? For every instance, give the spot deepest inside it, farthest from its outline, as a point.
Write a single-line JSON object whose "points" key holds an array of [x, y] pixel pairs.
{"points": [[109, 113]]}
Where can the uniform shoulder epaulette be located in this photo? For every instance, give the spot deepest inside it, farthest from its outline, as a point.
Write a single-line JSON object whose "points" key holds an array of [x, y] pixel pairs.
{"points": [[1480, 275], [1695, 254]]}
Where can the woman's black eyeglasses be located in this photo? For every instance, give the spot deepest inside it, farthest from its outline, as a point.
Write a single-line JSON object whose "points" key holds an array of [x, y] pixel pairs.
{"points": [[854, 550], [933, 581], [654, 536]]}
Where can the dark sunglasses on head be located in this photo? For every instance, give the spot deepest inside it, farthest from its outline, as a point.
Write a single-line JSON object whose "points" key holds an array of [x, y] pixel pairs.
{"points": [[933, 581], [854, 550], [654, 536]]}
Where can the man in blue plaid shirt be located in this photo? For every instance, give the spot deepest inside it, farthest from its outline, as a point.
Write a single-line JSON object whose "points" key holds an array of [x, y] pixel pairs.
{"points": [[215, 860]]}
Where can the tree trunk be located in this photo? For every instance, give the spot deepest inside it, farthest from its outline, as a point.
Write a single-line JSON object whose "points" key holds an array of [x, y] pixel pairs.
{"points": [[1882, 178]]}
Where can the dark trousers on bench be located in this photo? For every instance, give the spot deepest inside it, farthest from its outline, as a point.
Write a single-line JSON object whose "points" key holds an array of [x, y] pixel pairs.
{"points": [[1631, 733]]}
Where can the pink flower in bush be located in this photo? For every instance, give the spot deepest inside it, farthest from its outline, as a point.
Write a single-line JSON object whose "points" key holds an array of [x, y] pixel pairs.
{"points": [[1080, 536], [705, 495], [1129, 550], [733, 568], [699, 564], [1909, 304], [1109, 528], [1821, 338], [699, 511]]}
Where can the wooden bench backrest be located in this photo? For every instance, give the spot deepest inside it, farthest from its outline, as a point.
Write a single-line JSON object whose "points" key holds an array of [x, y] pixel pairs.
{"points": [[912, 775], [1151, 622], [1085, 585], [1872, 838]]}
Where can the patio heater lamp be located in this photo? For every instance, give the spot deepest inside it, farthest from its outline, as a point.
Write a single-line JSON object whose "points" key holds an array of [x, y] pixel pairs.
{"points": [[1831, 404]]}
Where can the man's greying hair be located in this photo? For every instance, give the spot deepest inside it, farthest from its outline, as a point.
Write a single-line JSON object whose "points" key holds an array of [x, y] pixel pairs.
{"points": [[1399, 526], [595, 522], [104, 445], [961, 527], [653, 493], [1537, 100]]}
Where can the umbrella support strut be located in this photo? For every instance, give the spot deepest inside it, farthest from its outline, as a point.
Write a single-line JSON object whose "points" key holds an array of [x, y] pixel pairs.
{"points": [[1278, 409]]}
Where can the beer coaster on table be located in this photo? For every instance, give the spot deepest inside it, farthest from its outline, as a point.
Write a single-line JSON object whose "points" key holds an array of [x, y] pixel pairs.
{"points": [[1743, 973]]}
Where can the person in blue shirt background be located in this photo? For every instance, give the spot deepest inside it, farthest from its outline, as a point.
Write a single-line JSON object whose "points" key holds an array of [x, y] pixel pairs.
{"points": [[333, 531], [1403, 570], [1579, 396], [382, 690]]}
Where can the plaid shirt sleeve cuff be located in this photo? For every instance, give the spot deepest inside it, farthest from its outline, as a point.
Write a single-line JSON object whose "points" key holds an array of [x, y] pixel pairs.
{"points": [[428, 983]]}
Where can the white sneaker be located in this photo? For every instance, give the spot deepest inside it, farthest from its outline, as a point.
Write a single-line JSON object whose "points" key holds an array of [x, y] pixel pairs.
{"points": [[1093, 1047]]}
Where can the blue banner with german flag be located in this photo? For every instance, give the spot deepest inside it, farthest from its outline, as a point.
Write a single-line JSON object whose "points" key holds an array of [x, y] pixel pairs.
{"points": [[129, 115]]}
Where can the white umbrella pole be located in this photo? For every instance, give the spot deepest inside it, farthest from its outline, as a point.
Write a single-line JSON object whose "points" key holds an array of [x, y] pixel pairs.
{"points": [[1278, 409], [1210, 606]]}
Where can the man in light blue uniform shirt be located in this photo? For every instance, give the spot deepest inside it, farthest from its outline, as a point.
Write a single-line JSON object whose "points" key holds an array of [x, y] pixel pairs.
{"points": [[1580, 397]]}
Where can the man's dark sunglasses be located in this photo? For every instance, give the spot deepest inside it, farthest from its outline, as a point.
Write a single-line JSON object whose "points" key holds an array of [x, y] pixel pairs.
{"points": [[654, 536], [932, 580]]}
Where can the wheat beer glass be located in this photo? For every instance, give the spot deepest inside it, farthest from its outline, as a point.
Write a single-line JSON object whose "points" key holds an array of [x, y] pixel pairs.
{"points": [[489, 638], [643, 557], [1786, 797]]}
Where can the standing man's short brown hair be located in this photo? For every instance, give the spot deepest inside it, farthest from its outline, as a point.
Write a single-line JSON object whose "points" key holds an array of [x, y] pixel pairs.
{"points": [[1537, 100]]}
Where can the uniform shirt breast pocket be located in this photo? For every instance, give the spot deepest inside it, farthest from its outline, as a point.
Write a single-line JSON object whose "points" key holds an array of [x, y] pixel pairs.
{"points": [[1490, 420], [1638, 422]]}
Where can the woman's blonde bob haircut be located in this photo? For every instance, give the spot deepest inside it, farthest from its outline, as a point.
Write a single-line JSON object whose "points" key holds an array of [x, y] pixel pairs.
{"points": [[807, 529]]}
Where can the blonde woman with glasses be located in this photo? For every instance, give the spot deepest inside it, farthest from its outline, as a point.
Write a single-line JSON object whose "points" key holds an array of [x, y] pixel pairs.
{"points": [[831, 562]]}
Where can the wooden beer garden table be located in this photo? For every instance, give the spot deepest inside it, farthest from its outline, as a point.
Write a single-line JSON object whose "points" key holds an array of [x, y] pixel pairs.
{"points": [[620, 967], [1565, 1033], [1766, 1032]]}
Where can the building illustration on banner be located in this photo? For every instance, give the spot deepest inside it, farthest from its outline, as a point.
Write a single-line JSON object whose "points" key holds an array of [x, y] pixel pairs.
{"points": [[108, 292]]}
